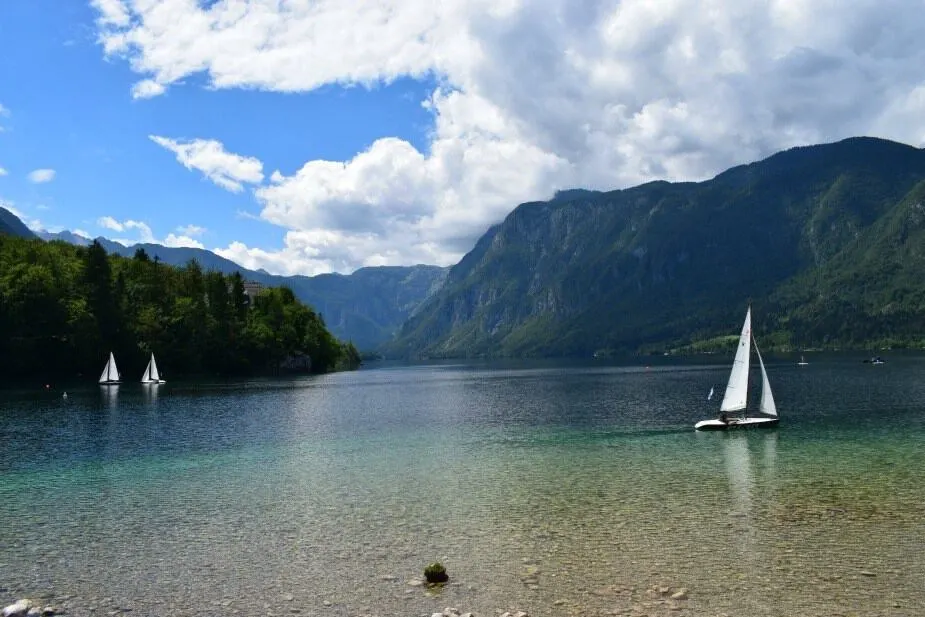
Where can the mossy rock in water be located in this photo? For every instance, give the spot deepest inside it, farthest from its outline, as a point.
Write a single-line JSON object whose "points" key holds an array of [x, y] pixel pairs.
{"points": [[436, 573]]}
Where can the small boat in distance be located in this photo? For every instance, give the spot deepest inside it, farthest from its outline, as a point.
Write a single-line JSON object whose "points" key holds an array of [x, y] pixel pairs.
{"points": [[802, 361], [151, 375], [736, 396], [110, 376]]}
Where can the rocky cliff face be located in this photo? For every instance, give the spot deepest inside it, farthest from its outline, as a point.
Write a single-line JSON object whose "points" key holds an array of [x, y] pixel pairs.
{"points": [[662, 262]]}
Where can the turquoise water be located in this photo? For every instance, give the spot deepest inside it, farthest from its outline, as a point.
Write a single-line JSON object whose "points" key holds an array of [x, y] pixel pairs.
{"points": [[552, 488]]}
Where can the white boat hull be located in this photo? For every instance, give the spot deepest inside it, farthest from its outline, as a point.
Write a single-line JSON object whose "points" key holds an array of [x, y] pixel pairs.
{"points": [[153, 382], [719, 425]]}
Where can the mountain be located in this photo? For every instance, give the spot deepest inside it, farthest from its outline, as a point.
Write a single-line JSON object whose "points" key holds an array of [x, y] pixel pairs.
{"points": [[366, 307], [12, 226], [65, 236], [826, 241]]}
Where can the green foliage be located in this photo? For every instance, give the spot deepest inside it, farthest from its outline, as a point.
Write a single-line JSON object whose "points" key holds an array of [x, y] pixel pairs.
{"points": [[436, 573], [63, 308]]}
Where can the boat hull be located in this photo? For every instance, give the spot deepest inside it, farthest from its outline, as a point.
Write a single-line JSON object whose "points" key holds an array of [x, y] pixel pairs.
{"points": [[109, 383], [153, 382], [732, 423]]}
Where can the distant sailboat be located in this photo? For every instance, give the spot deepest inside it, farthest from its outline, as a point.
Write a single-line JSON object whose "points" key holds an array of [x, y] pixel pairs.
{"points": [[736, 395], [710, 395], [110, 374], [150, 375], [802, 361]]}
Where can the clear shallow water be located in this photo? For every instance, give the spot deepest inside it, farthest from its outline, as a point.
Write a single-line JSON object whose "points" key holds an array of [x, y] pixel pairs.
{"points": [[556, 489]]}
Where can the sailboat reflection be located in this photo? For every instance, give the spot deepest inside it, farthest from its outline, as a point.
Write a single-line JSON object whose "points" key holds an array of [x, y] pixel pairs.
{"points": [[110, 396], [150, 396], [750, 494], [739, 472]]}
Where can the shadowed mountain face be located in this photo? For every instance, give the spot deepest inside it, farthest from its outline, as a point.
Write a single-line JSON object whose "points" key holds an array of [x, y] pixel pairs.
{"points": [[826, 241], [12, 226]]}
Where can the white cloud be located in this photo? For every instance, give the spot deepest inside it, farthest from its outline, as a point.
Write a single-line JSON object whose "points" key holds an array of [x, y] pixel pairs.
{"points": [[534, 95], [107, 222], [208, 156], [175, 240], [144, 233], [112, 12], [143, 229], [3, 172], [41, 176], [147, 89], [191, 230], [82, 234]]}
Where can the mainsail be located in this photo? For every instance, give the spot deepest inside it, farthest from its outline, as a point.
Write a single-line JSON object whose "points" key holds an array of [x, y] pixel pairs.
{"points": [[737, 388], [110, 372], [151, 375]]}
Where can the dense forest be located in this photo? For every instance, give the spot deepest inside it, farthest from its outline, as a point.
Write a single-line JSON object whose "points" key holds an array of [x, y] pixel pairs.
{"points": [[63, 308]]}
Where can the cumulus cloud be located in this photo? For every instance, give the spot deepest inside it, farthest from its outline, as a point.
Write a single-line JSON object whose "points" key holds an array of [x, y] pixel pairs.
{"points": [[191, 230], [107, 222], [41, 176], [144, 233], [208, 156], [533, 95], [142, 229], [181, 240], [3, 172], [147, 88]]}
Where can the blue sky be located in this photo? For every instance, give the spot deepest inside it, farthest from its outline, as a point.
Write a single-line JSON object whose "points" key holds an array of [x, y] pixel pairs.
{"points": [[308, 137], [70, 109]]}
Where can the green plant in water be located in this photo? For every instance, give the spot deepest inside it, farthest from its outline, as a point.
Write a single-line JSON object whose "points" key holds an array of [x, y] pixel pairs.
{"points": [[436, 573]]}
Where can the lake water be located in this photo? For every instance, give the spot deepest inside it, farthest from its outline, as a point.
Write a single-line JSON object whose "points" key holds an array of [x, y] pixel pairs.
{"points": [[551, 488]]}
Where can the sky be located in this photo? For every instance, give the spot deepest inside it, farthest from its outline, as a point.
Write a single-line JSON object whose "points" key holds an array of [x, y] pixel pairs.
{"points": [[312, 136]]}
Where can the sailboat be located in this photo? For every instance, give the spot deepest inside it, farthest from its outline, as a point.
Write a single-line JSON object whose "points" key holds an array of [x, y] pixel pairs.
{"points": [[110, 374], [802, 361], [736, 396], [150, 375]]}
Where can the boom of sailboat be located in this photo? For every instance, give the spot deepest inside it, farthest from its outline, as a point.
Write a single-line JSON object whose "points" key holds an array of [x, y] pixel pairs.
{"points": [[736, 397]]}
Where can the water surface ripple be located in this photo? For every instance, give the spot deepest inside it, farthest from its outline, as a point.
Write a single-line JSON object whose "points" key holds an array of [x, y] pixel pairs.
{"points": [[559, 489]]}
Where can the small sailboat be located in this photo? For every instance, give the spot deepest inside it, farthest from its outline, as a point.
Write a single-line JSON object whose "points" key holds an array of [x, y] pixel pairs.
{"points": [[110, 374], [736, 396], [151, 375], [802, 361]]}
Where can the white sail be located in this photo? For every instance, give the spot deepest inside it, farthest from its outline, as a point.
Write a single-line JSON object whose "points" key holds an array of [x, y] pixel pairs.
{"points": [[737, 388], [767, 399], [110, 372], [151, 375]]}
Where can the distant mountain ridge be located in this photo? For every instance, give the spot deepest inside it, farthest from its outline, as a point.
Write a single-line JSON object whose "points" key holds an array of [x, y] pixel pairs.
{"points": [[366, 307], [665, 264]]}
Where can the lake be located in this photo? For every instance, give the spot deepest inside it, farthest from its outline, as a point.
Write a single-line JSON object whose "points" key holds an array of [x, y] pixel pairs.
{"points": [[553, 488]]}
